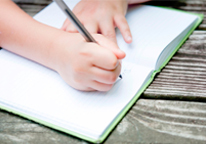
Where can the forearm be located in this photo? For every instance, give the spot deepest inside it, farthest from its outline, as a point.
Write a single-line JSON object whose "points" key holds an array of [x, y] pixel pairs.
{"points": [[136, 1], [22, 35]]}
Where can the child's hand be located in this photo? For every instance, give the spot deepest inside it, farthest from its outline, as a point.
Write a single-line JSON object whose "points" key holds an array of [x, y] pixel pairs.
{"points": [[88, 66], [102, 16]]}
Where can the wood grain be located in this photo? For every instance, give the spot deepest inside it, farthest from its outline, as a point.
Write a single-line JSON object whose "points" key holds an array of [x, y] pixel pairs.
{"points": [[32, 6], [184, 77], [195, 6], [150, 120], [189, 59]]}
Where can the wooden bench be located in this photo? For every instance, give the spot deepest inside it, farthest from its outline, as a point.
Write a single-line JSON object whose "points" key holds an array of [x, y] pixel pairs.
{"points": [[171, 110]]}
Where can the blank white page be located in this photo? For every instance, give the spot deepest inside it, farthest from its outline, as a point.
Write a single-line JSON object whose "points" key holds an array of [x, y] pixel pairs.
{"points": [[52, 15], [33, 89], [152, 29], [30, 88]]}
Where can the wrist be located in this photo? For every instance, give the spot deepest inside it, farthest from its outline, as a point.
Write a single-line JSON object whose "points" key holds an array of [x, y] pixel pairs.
{"points": [[57, 50], [62, 49]]}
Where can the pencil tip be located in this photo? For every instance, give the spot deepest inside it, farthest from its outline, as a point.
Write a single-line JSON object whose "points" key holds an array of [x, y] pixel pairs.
{"points": [[120, 76]]}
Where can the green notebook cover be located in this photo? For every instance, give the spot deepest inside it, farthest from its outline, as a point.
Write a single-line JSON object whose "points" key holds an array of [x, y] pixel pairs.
{"points": [[122, 114]]}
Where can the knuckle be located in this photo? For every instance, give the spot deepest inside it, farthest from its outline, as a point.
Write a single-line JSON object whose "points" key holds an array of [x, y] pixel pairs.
{"points": [[98, 36], [78, 71], [103, 11], [126, 28], [112, 78], [113, 63], [107, 87], [122, 22], [77, 80], [121, 18], [86, 54]]}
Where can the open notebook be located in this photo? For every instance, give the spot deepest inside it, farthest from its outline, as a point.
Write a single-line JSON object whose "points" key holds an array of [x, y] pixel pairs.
{"points": [[38, 93]]}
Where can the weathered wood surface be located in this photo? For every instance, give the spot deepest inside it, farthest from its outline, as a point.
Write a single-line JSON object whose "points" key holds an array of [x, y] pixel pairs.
{"points": [[198, 6], [185, 72], [185, 75], [150, 120], [32, 6]]}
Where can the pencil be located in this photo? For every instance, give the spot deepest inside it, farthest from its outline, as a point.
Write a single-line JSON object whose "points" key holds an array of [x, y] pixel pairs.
{"points": [[75, 21]]}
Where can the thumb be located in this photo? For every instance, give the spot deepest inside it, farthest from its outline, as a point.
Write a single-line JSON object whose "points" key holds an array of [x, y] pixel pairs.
{"points": [[109, 44]]}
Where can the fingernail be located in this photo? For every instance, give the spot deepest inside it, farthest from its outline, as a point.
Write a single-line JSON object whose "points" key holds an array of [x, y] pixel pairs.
{"points": [[129, 38]]}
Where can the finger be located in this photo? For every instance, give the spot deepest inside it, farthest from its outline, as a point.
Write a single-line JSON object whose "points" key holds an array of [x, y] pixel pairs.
{"points": [[100, 86], [83, 85], [107, 29], [92, 26], [110, 45], [64, 26], [83, 88], [88, 89], [103, 58], [105, 76], [68, 26], [71, 28], [121, 23]]}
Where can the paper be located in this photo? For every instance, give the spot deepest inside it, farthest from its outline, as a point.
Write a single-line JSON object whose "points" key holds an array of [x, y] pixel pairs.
{"points": [[152, 29], [41, 94]]}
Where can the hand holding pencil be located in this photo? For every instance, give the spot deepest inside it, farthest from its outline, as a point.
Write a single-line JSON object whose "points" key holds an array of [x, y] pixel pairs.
{"points": [[88, 37], [104, 61]]}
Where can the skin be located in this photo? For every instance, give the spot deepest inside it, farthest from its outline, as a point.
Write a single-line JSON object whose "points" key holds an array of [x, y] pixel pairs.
{"points": [[103, 16], [84, 66]]}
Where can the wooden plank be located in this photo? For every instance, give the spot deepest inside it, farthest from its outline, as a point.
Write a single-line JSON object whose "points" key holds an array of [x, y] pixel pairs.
{"points": [[32, 6], [185, 75], [147, 122], [193, 50], [195, 6]]}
